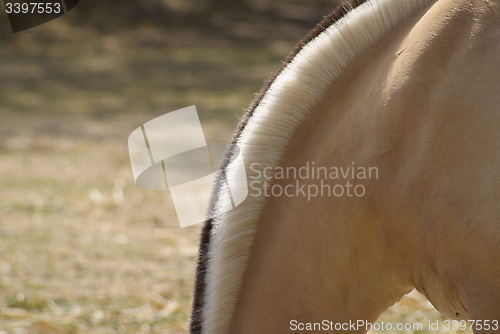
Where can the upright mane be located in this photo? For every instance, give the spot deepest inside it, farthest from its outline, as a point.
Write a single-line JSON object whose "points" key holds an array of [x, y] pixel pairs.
{"points": [[262, 135]]}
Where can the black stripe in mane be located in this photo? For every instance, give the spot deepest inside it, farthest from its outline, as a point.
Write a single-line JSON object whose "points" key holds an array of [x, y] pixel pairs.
{"points": [[200, 285]]}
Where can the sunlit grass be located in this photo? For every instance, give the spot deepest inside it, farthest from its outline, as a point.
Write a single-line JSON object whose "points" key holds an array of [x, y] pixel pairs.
{"points": [[74, 261]]}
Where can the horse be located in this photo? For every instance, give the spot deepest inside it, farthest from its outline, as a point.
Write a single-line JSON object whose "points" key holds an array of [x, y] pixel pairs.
{"points": [[372, 160]]}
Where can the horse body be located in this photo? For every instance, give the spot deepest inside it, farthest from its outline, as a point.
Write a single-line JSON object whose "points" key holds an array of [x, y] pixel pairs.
{"points": [[422, 105]]}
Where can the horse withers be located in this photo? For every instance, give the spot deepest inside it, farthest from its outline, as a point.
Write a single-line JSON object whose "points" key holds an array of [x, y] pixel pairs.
{"points": [[410, 89]]}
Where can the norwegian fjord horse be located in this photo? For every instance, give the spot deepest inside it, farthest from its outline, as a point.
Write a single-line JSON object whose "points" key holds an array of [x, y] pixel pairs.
{"points": [[412, 88]]}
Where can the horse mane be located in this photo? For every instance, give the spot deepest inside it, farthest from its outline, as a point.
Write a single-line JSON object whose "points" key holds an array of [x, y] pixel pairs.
{"points": [[276, 111]]}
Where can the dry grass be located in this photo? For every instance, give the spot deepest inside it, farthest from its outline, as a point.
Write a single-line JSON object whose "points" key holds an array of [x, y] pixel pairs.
{"points": [[85, 251]]}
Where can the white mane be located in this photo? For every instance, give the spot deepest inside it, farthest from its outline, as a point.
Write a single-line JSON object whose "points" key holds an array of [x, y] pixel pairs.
{"points": [[284, 106]]}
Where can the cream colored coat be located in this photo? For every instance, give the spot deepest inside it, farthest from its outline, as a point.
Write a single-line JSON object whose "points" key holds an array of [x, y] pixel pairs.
{"points": [[412, 88]]}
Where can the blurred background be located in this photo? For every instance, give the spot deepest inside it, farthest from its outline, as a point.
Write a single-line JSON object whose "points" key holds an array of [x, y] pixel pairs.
{"points": [[82, 249]]}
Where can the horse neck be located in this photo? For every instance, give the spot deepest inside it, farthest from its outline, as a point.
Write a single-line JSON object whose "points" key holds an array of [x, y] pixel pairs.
{"points": [[321, 258], [346, 258]]}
